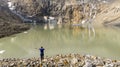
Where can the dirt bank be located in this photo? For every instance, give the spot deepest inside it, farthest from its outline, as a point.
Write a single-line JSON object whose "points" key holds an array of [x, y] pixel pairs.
{"points": [[9, 22]]}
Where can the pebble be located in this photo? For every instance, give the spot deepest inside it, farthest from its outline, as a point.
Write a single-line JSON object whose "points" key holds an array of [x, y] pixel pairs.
{"points": [[71, 60]]}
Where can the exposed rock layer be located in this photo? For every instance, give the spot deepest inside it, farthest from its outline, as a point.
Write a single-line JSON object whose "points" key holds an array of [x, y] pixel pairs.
{"points": [[9, 22], [70, 10]]}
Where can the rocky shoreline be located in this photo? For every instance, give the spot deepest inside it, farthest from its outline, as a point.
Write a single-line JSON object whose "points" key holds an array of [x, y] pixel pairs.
{"points": [[71, 60]]}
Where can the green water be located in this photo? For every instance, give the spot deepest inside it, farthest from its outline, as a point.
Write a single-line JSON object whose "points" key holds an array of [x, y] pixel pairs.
{"points": [[105, 43]]}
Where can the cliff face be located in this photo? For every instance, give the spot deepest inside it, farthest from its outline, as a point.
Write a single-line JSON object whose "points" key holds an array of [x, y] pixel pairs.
{"points": [[71, 11], [9, 22], [110, 14]]}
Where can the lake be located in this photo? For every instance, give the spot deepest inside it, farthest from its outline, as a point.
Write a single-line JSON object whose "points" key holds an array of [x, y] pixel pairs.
{"points": [[105, 42]]}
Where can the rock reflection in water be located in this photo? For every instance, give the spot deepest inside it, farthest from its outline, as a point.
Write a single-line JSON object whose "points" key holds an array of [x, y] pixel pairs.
{"points": [[2, 51], [51, 23], [63, 40], [85, 24], [13, 39]]}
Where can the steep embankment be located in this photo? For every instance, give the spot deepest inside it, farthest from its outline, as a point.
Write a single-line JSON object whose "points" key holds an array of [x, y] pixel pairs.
{"points": [[72, 11], [68, 10], [9, 22], [110, 14]]}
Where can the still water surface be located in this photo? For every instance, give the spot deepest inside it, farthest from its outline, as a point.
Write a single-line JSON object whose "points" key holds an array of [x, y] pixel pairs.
{"points": [[105, 43]]}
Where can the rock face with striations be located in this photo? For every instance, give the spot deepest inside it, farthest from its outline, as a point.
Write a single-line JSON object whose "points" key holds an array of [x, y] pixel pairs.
{"points": [[110, 15], [71, 11], [9, 22]]}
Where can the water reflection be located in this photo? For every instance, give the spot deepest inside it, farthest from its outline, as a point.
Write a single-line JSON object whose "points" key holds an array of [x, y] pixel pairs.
{"points": [[25, 32], [84, 25], [62, 41], [91, 30], [52, 22], [13, 39], [2, 51]]}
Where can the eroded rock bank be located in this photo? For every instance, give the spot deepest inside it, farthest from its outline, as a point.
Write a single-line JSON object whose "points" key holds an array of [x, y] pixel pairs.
{"points": [[9, 22]]}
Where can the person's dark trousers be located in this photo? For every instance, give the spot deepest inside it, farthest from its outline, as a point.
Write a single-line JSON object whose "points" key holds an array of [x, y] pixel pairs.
{"points": [[42, 56]]}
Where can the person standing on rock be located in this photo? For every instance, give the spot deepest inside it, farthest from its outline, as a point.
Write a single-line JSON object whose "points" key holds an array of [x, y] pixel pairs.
{"points": [[41, 53]]}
